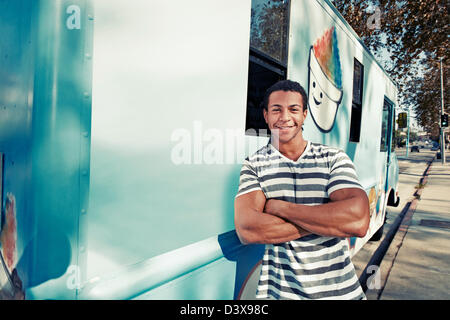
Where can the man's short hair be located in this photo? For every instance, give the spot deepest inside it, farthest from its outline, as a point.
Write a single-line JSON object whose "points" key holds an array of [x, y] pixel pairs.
{"points": [[286, 85]]}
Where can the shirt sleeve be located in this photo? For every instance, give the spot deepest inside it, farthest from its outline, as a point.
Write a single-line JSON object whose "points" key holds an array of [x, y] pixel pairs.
{"points": [[342, 174], [248, 180]]}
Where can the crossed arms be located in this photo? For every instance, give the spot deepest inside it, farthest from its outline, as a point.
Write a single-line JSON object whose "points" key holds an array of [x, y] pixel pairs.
{"points": [[259, 220]]}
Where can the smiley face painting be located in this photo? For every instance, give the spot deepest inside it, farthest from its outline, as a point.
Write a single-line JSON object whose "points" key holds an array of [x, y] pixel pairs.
{"points": [[325, 80]]}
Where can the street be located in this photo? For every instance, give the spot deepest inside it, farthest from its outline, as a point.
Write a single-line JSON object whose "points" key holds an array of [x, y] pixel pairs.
{"points": [[411, 171]]}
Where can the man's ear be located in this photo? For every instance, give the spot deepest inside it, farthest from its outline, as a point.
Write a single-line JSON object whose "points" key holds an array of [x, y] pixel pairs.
{"points": [[265, 114]]}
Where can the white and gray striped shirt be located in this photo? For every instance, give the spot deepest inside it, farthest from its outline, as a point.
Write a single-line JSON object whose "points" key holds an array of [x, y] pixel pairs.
{"points": [[312, 267]]}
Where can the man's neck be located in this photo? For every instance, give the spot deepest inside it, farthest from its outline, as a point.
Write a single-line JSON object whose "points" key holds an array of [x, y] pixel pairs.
{"points": [[292, 149]]}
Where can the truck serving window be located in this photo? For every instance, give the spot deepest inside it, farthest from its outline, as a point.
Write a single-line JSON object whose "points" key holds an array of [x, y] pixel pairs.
{"points": [[355, 124], [386, 125], [268, 57]]}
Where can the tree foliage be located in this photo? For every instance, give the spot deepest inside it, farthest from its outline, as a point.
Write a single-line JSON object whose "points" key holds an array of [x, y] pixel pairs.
{"points": [[413, 35], [269, 28]]}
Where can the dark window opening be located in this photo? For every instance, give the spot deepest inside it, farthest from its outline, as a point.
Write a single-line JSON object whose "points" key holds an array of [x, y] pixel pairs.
{"points": [[394, 138], [262, 74], [268, 57], [357, 98], [386, 125]]}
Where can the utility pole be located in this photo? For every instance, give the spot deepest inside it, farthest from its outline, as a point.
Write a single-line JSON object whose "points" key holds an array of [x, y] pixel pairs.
{"points": [[442, 113], [407, 137]]}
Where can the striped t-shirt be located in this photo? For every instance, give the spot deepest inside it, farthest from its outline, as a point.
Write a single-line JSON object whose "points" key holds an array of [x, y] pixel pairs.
{"points": [[314, 266]]}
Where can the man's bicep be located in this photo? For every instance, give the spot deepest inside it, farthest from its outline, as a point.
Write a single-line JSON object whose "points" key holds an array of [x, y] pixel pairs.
{"points": [[248, 210], [254, 201], [347, 193], [354, 204]]}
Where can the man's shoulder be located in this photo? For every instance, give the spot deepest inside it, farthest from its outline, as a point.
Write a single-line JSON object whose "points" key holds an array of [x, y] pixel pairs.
{"points": [[323, 150], [262, 152]]}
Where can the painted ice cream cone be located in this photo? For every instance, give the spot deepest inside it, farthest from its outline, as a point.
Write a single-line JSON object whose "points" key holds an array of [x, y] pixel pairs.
{"points": [[325, 81]]}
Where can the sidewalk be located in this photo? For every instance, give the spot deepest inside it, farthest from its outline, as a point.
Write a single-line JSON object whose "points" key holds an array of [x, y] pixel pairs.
{"points": [[421, 268]]}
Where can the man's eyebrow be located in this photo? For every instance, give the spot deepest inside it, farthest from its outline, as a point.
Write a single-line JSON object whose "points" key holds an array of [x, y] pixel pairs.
{"points": [[290, 106]]}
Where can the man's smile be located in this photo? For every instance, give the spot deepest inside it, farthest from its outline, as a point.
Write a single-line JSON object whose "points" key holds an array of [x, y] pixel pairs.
{"points": [[284, 127]]}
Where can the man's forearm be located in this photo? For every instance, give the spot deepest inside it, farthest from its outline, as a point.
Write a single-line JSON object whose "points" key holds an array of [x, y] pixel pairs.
{"points": [[345, 218], [265, 228]]}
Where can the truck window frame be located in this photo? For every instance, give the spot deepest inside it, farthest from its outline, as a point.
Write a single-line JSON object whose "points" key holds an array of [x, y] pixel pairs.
{"points": [[264, 70]]}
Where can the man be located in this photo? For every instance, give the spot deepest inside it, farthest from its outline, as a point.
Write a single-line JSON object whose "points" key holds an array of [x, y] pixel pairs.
{"points": [[302, 200]]}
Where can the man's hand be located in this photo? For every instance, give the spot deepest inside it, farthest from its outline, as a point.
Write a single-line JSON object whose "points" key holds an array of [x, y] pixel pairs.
{"points": [[274, 206]]}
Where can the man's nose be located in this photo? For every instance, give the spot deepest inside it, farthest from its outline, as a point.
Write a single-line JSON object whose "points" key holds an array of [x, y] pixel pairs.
{"points": [[284, 116]]}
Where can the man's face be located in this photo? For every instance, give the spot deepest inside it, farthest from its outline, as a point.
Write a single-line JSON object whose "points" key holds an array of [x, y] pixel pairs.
{"points": [[285, 115]]}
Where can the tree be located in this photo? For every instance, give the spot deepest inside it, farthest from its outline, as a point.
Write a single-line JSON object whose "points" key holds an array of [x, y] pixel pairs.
{"points": [[413, 35]]}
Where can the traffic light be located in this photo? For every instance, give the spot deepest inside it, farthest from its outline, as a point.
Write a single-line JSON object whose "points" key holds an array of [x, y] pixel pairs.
{"points": [[444, 120], [402, 120]]}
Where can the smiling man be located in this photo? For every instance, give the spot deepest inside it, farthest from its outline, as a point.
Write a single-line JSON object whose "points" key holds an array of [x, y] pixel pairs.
{"points": [[302, 200]]}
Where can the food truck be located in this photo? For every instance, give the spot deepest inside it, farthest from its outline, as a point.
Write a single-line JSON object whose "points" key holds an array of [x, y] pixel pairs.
{"points": [[123, 127]]}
